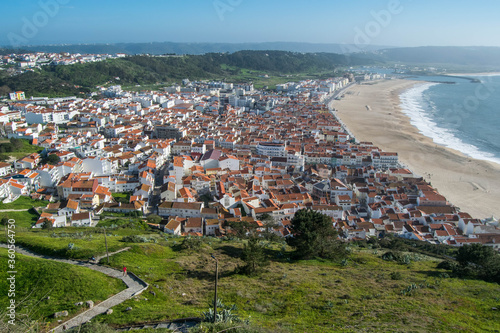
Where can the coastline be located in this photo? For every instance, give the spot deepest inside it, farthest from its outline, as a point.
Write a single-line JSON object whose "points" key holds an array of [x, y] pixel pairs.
{"points": [[470, 184]]}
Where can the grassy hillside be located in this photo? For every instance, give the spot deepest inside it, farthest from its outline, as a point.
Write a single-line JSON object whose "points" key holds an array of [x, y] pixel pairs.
{"points": [[368, 294], [44, 287], [364, 293]]}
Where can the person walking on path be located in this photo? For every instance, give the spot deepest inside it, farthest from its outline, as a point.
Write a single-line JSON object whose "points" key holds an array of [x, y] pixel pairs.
{"points": [[124, 270]]}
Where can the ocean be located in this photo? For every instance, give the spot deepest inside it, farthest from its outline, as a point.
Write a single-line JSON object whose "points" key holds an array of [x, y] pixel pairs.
{"points": [[463, 115]]}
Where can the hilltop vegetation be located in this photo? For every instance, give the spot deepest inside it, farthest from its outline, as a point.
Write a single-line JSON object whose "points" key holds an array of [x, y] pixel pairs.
{"points": [[80, 79], [389, 285]]}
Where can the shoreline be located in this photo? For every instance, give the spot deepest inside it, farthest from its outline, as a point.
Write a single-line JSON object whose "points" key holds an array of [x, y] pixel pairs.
{"points": [[470, 184]]}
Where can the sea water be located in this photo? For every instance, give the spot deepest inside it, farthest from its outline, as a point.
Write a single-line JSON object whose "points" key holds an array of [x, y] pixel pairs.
{"points": [[463, 115]]}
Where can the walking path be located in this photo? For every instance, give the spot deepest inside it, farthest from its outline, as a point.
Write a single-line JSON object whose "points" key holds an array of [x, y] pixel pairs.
{"points": [[14, 210], [134, 284]]}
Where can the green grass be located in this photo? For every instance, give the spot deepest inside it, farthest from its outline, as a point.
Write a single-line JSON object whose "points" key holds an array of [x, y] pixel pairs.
{"points": [[23, 219], [86, 241], [23, 202], [301, 296], [26, 149], [65, 284], [306, 296]]}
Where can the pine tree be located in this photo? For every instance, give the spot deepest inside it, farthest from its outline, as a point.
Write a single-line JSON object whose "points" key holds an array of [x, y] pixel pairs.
{"points": [[254, 256], [314, 236]]}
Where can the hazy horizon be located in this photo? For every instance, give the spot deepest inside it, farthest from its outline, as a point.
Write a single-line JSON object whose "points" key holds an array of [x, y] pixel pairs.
{"points": [[394, 23]]}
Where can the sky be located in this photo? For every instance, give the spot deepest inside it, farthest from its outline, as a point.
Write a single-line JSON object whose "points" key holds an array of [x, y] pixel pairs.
{"points": [[375, 22]]}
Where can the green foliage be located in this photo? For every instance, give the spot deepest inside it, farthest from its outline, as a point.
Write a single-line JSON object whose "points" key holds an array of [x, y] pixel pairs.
{"points": [[191, 243], [47, 225], [80, 79], [136, 239], [254, 256], [242, 229], [314, 236], [38, 279], [225, 314], [397, 256], [153, 218], [92, 327], [18, 148], [208, 327], [23, 202], [52, 159], [410, 245], [448, 265], [396, 276], [478, 261]]}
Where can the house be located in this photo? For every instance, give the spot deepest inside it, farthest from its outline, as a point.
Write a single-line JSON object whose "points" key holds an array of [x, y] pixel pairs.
{"points": [[168, 192], [55, 220], [182, 209], [194, 225], [210, 159], [174, 226], [72, 207], [28, 162], [5, 168], [212, 227], [143, 190], [82, 220]]}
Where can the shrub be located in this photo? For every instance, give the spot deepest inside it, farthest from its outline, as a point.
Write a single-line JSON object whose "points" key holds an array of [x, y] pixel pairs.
{"points": [[191, 243], [135, 239], [448, 265]]}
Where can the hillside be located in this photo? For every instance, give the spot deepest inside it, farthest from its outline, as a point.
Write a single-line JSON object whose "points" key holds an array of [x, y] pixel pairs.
{"points": [[44, 287], [364, 293], [82, 78]]}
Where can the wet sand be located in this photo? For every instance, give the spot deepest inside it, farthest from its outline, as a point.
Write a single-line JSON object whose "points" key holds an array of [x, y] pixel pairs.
{"points": [[372, 113]]}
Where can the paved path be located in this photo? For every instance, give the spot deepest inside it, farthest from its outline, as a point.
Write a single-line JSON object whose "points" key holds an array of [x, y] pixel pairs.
{"points": [[98, 258], [14, 210], [134, 284]]}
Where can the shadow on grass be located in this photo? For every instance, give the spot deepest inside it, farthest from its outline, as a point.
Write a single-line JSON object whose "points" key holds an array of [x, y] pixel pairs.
{"points": [[436, 274], [231, 251]]}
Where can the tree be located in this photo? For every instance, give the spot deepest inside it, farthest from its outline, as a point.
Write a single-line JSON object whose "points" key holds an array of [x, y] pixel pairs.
{"points": [[153, 218], [314, 236], [4, 220], [478, 261], [47, 225], [254, 256], [53, 159]]}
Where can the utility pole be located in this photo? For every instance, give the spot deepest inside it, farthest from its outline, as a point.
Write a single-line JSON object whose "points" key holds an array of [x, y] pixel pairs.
{"points": [[216, 280], [106, 242]]}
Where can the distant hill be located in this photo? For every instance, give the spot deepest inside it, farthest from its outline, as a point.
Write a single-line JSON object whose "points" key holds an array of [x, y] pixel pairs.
{"points": [[133, 70], [199, 48], [480, 56]]}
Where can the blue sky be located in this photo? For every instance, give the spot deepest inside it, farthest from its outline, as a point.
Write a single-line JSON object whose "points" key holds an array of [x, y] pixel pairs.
{"points": [[388, 22]]}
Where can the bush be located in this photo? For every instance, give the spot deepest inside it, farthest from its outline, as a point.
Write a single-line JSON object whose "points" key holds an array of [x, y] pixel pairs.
{"points": [[448, 265], [396, 276], [191, 243], [136, 239], [397, 257]]}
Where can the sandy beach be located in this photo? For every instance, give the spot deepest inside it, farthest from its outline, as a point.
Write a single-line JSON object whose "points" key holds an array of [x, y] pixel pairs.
{"points": [[372, 113]]}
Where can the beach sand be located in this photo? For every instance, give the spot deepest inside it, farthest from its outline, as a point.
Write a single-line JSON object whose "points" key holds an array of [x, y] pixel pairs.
{"points": [[372, 113]]}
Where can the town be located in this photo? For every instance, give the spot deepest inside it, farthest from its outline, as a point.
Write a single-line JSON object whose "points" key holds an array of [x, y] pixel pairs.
{"points": [[207, 155]]}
